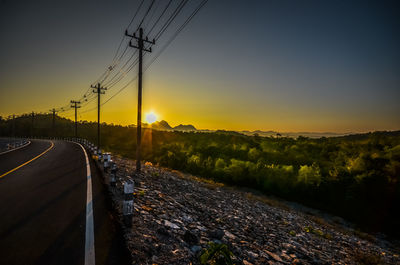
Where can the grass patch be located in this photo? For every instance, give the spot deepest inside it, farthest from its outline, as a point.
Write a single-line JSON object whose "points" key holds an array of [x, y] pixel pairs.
{"points": [[317, 232], [216, 254]]}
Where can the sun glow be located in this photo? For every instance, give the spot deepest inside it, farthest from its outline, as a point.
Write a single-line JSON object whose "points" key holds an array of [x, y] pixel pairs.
{"points": [[151, 117]]}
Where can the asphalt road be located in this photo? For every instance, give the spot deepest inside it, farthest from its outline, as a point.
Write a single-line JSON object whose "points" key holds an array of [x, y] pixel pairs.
{"points": [[43, 208]]}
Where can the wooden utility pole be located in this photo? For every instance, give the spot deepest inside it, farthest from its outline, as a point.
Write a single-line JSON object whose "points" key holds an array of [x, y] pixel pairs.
{"points": [[32, 123], [76, 106], [53, 124], [13, 126], [141, 48], [99, 90]]}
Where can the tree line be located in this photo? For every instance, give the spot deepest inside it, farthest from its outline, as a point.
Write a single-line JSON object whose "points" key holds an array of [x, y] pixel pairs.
{"points": [[356, 176]]}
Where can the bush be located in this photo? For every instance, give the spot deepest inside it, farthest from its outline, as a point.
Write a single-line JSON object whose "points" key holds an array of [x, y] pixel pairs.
{"points": [[216, 254]]}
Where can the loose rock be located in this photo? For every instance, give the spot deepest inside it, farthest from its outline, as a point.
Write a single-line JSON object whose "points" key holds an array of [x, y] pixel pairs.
{"points": [[176, 215]]}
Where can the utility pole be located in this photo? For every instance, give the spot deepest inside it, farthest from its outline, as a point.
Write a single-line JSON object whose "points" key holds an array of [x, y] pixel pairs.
{"points": [[141, 48], [76, 106], [53, 125], [32, 124], [99, 90], [13, 126]]}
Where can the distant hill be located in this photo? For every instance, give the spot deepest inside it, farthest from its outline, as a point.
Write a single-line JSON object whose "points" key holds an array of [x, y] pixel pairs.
{"points": [[182, 127], [161, 125], [293, 134], [229, 132], [164, 126]]}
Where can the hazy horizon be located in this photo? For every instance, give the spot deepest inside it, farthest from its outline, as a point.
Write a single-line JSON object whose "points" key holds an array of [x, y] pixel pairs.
{"points": [[174, 124]]}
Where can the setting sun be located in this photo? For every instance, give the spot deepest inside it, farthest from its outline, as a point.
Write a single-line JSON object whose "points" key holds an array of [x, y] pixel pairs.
{"points": [[151, 117]]}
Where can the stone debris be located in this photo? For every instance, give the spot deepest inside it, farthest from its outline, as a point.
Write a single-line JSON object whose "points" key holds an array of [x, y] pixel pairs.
{"points": [[176, 215]]}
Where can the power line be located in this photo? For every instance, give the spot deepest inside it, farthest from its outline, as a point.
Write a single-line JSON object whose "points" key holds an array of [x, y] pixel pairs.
{"points": [[171, 18], [177, 32], [120, 71], [130, 23], [113, 64], [162, 49], [89, 97], [145, 15], [157, 4], [174, 14], [124, 74], [165, 9], [123, 53], [120, 90]]}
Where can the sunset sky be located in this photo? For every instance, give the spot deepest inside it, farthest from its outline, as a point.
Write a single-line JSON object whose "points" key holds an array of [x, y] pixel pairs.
{"points": [[239, 65]]}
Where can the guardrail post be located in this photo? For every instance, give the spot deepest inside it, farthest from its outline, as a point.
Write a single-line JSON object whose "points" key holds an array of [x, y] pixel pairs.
{"points": [[127, 204], [113, 174], [107, 159]]}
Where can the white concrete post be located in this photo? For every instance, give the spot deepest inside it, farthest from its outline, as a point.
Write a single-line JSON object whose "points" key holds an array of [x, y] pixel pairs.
{"points": [[113, 174], [107, 159], [127, 204]]}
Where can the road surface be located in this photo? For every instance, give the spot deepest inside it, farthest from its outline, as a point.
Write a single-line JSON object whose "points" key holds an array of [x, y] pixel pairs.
{"points": [[44, 191]]}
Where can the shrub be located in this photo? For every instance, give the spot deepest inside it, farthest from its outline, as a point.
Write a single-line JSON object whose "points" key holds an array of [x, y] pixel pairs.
{"points": [[216, 254]]}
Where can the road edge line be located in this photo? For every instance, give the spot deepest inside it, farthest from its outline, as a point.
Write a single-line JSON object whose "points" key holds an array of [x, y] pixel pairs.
{"points": [[8, 151], [89, 234]]}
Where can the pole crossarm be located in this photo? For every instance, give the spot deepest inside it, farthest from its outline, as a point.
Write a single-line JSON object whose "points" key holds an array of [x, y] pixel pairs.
{"points": [[75, 103], [98, 92], [140, 41], [99, 89], [134, 46], [139, 38]]}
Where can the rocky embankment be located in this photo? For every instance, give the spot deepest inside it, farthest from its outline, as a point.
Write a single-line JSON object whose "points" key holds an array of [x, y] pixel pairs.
{"points": [[176, 215]]}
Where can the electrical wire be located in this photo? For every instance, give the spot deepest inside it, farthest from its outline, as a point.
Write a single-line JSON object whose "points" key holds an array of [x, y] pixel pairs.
{"points": [[162, 49], [177, 32], [145, 15], [158, 19], [172, 18], [89, 96], [143, 19], [174, 14], [113, 64]]}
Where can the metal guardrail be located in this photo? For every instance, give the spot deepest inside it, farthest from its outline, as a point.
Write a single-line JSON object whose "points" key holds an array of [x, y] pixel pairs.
{"points": [[12, 144]]}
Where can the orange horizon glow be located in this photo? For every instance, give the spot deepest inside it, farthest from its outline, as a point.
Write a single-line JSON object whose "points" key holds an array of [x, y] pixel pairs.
{"points": [[122, 111]]}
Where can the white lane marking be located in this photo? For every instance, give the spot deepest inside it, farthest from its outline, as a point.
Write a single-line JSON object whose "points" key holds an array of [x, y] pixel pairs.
{"points": [[89, 235], [22, 146]]}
